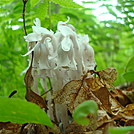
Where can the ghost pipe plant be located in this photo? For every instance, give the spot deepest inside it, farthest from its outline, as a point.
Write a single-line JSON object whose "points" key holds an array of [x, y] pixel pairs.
{"points": [[62, 56]]}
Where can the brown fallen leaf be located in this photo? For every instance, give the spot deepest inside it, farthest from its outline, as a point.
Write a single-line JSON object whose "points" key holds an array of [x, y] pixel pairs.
{"points": [[94, 83], [130, 94], [40, 129], [28, 79], [109, 74], [35, 98], [105, 78], [120, 97], [77, 91], [9, 128], [127, 112], [73, 94], [31, 95], [129, 123], [68, 94], [103, 95]]}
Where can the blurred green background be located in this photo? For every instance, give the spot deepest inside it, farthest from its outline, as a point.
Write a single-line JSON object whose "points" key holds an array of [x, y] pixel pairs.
{"points": [[111, 36]]}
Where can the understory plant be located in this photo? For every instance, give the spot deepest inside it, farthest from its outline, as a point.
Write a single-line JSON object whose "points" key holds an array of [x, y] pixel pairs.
{"points": [[60, 57]]}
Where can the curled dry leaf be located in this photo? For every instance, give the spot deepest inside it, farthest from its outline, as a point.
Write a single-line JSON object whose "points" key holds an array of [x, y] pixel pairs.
{"points": [[77, 91], [35, 98], [109, 74], [128, 112], [94, 83], [40, 129], [129, 123], [73, 94], [103, 95], [30, 95], [105, 78], [120, 97], [130, 94], [9, 128], [69, 91]]}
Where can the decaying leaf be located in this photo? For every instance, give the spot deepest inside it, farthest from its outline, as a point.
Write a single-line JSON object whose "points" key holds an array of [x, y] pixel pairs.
{"points": [[94, 83], [73, 94], [40, 129], [120, 97], [77, 91], [35, 98], [9, 128], [89, 88], [109, 74], [69, 92], [103, 95], [128, 112], [28, 79], [105, 78], [130, 94], [30, 95]]}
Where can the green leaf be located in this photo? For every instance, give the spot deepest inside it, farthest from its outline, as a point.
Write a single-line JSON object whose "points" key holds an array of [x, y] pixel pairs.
{"points": [[20, 111], [42, 10], [67, 3], [130, 64], [129, 76], [83, 110], [34, 3], [120, 130]]}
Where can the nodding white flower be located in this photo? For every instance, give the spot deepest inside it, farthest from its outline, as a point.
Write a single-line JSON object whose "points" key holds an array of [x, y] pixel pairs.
{"points": [[87, 53], [38, 32], [60, 56]]}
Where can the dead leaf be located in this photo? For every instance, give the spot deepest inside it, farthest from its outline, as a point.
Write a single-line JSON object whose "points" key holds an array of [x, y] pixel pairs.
{"points": [[129, 123], [9, 128], [94, 83], [35, 98], [120, 97], [128, 112], [28, 79], [40, 129], [73, 94], [77, 91], [103, 95], [31, 95], [109, 74], [105, 78], [68, 94], [130, 94]]}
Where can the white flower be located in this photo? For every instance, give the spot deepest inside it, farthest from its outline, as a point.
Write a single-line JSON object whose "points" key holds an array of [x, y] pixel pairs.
{"points": [[62, 56], [65, 47], [87, 53], [38, 32]]}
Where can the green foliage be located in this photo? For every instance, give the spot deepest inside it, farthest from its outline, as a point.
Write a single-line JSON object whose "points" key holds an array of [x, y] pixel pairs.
{"points": [[42, 10], [34, 3], [129, 70], [121, 130], [129, 76], [112, 40], [20, 111], [130, 64], [83, 110], [67, 3]]}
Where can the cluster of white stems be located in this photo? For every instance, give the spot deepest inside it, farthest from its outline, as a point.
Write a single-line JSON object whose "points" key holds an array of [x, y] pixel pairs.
{"points": [[61, 56]]}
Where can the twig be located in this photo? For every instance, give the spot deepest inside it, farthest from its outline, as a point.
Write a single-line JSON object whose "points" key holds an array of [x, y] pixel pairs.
{"points": [[46, 92], [14, 92], [23, 15], [50, 87]]}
